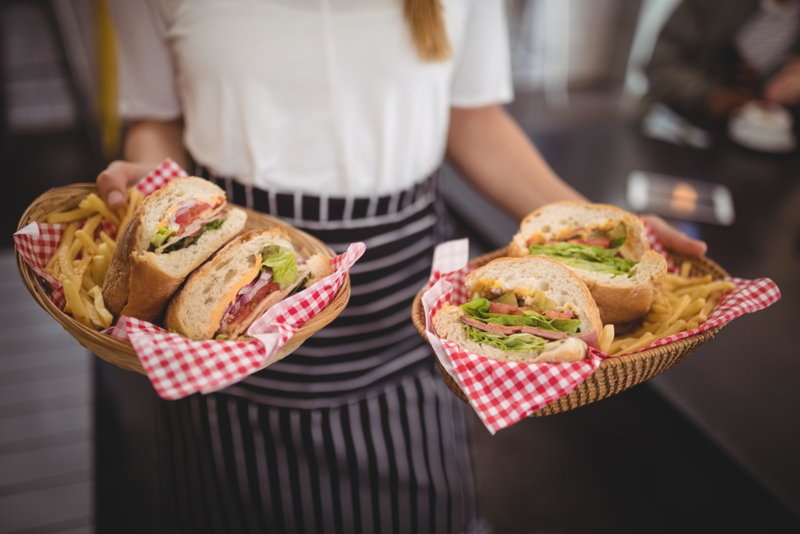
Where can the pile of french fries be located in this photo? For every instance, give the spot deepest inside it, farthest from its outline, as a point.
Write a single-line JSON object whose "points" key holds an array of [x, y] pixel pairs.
{"points": [[683, 304], [84, 254]]}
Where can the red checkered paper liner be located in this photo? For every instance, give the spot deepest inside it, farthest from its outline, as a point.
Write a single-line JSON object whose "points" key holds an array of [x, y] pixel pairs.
{"points": [[502, 393], [37, 242], [178, 366]]}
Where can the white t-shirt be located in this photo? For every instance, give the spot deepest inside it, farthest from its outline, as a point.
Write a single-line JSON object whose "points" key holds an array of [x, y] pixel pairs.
{"points": [[324, 97]]}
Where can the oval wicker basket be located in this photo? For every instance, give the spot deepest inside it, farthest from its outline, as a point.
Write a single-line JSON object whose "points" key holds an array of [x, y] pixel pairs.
{"points": [[614, 374], [120, 352]]}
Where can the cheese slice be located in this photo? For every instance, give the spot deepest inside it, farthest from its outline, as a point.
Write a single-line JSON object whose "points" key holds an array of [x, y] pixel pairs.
{"points": [[230, 296]]}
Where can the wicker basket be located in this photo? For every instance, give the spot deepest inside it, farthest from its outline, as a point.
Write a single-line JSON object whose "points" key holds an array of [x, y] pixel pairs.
{"points": [[614, 374], [121, 353]]}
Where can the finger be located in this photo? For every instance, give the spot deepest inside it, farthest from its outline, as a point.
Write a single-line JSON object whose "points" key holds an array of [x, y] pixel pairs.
{"points": [[114, 181], [674, 239]]}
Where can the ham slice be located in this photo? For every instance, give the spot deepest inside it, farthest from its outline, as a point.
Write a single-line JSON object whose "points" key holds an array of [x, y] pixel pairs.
{"points": [[590, 338]]}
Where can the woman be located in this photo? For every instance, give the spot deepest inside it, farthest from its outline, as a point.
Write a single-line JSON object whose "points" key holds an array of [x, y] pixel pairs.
{"points": [[333, 115]]}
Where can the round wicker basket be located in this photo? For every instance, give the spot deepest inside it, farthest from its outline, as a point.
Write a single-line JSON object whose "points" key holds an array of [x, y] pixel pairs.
{"points": [[121, 353], [615, 374]]}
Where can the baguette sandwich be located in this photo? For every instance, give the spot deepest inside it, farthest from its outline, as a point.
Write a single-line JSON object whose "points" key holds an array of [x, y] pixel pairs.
{"points": [[171, 234], [605, 246], [242, 281], [531, 310]]}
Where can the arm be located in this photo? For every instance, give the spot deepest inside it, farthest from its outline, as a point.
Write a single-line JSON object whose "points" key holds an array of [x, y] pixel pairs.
{"points": [[498, 159], [147, 144]]}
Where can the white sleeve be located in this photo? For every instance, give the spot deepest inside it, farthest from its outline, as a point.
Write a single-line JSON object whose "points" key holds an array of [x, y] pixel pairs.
{"points": [[144, 64], [482, 73]]}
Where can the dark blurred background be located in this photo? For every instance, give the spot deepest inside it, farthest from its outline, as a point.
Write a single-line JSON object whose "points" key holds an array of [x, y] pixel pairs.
{"points": [[708, 446]]}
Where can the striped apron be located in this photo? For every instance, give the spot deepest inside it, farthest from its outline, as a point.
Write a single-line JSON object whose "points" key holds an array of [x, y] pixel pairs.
{"points": [[355, 431]]}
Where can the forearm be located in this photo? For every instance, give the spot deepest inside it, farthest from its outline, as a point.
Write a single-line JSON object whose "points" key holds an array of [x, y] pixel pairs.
{"points": [[149, 142], [497, 158]]}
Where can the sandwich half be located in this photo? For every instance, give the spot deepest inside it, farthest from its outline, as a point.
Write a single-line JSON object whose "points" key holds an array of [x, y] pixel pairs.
{"points": [[242, 281], [605, 246], [531, 310], [171, 234]]}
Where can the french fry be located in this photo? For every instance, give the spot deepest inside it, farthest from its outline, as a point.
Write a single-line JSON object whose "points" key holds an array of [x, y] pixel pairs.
{"points": [[108, 241], [693, 308], [73, 298], [94, 317], [135, 199], [66, 241], [99, 268], [92, 201], [77, 276], [606, 337], [65, 262], [86, 282], [91, 224], [684, 302], [75, 248], [106, 252], [87, 241], [100, 306], [641, 343], [69, 216], [667, 329], [659, 309]]}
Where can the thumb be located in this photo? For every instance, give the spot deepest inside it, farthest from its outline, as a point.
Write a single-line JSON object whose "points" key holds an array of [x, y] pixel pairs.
{"points": [[115, 180], [674, 239]]}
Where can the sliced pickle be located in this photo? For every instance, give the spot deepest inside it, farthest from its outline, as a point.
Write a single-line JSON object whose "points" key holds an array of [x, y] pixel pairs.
{"points": [[475, 295], [617, 236], [507, 298], [541, 302]]}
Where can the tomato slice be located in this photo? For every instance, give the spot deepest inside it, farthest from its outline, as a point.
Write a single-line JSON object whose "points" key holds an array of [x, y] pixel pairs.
{"points": [[186, 216], [552, 314], [505, 309]]}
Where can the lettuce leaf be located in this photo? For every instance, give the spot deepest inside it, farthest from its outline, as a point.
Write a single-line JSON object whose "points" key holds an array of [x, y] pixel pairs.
{"points": [[596, 259], [283, 263], [514, 342], [192, 240], [161, 235], [479, 309]]}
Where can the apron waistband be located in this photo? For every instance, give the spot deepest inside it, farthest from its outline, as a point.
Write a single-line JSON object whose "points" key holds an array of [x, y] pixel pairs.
{"points": [[303, 207]]}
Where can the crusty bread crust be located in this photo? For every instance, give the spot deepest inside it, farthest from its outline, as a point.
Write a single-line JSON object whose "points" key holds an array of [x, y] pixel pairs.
{"points": [[116, 287], [447, 325], [636, 243], [177, 316], [619, 299], [625, 303], [539, 270], [137, 286], [180, 303]]}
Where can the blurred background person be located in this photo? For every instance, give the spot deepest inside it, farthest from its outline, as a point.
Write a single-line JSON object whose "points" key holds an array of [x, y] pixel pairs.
{"points": [[714, 56]]}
